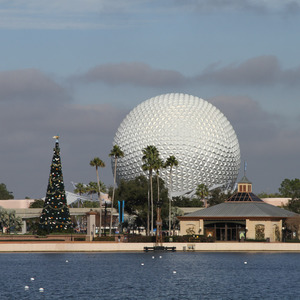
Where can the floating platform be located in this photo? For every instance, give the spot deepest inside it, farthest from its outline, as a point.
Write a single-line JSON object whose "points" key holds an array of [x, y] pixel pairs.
{"points": [[159, 248]]}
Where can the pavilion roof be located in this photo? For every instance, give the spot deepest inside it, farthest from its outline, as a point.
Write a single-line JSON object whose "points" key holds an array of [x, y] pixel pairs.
{"points": [[242, 209], [244, 197]]}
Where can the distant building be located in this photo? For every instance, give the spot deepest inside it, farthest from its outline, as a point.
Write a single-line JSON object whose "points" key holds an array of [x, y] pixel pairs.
{"points": [[277, 201], [242, 216], [16, 204], [71, 198]]}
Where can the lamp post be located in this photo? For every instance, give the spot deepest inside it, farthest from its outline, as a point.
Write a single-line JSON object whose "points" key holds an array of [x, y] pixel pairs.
{"points": [[105, 214], [159, 224]]}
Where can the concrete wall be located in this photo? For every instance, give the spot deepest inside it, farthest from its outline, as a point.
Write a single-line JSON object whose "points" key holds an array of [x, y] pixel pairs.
{"points": [[133, 247], [195, 225], [269, 229]]}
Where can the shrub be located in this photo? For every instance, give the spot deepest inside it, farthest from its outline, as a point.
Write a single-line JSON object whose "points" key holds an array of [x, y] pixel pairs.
{"points": [[141, 239], [193, 238], [256, 240], [293, 241], [105, 239]]}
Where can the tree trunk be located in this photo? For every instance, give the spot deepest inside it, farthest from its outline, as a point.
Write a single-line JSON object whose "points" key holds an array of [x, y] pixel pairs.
{"points": [[151, 194], [99, 198], [157, 194], [157, 187], [170, 202], [113, 197], [148, 208]]}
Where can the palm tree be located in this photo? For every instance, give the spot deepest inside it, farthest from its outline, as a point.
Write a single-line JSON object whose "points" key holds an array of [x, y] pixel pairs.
{"points": [[171, 162], [157, 166], [150, 155], [92, 189], [98, 163], [116, 153], [202, 192], [80, 189]]}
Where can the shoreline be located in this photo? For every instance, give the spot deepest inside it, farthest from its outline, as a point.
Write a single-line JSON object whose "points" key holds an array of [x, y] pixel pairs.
{"points": [[28, 247]]}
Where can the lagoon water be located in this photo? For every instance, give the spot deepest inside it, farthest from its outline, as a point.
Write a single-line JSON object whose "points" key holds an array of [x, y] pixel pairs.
{"points": [[179, 275]]}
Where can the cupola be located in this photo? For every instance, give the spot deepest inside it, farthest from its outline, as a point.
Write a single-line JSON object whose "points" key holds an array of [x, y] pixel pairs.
{"points": [[244, 185]]}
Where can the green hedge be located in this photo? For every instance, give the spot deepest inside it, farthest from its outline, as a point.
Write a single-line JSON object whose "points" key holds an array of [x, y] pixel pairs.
{"points": [[79, 239], [105, 239], [293, 241], [256, 241], [141, 239], [175, 239], [191, 238]]}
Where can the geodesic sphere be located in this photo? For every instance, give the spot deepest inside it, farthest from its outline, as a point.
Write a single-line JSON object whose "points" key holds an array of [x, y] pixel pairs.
{"points": [[193, 130]]}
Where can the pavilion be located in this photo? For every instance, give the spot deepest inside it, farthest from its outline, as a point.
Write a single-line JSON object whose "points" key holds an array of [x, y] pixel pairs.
{"points": [[244, 215]]}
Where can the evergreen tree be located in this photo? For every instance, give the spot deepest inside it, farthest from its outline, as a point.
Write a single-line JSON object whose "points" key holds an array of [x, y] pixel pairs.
{"points": [[55, 215], [4, 193]]}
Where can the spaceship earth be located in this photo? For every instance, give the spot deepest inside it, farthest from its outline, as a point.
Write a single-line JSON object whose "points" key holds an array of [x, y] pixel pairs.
{"points": [[190, 128]]}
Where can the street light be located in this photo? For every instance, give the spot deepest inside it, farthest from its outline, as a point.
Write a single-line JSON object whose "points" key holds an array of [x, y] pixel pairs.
{"points": [[283, 234]]}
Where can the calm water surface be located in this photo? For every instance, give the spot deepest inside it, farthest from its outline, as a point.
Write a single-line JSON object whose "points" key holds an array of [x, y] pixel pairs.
{"points": [[140, 276]]}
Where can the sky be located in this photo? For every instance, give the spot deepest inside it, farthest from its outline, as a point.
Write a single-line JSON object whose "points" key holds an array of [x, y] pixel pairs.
{"points": [[77, 68]]}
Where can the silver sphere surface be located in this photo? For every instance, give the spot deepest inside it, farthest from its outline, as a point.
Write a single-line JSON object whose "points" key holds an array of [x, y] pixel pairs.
{"points": [[190, 128]]}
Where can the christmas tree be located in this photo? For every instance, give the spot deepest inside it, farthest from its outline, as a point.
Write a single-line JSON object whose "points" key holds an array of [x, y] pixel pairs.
{"points": [[55, 215]]}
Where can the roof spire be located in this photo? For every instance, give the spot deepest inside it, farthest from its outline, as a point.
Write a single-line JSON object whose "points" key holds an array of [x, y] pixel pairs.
{"points": [[245, 168]]}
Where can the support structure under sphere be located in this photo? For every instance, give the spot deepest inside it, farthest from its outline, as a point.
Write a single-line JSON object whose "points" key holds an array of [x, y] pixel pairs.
{"points": [[193, 130]]}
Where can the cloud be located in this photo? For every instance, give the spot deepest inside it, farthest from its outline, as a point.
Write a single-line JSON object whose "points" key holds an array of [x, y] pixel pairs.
{"points": [[29, 85], [134, 73], [262, 70], [67, 14], [251, 121], [258, 71], [33, 108], [266, 141], [256, 6], [91, 14]]}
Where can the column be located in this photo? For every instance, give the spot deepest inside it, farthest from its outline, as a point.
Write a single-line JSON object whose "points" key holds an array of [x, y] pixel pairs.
{"points": [[201, 227], [91, 224], [24, 226]]}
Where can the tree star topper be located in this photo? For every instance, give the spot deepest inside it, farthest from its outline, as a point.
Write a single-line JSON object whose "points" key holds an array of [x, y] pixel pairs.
{"points": [[56, 137]]}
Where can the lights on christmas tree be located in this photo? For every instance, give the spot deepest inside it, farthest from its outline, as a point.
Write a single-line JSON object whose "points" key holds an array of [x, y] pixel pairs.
{"points": [[55, 207]]}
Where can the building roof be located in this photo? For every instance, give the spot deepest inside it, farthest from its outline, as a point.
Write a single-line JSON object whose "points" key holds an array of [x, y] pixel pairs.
{"points": [[242, 209], [245, 180], [244, 197], [242, 205]]}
